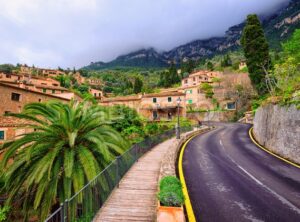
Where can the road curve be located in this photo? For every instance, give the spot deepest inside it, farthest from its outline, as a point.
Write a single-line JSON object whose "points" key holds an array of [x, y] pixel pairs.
{"points": [[230, 179]]}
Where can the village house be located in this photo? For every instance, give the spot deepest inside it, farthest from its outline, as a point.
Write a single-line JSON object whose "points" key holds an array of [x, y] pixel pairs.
{"points": [[96, 93], [163, 106], [133, 101], [242, 65], [94, 82], [198, 77], [155, 106], [13, 98]]}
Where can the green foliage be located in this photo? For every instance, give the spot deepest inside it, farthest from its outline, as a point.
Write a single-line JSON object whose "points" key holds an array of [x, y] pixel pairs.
{"points": [[170, 77], [83, 88], [226, 61], [71, 144], [207, 89], [187, 66], [4, 212], [6, 68], [170, 192], [152, 128], [210, 66], [128, 123], [292, 47], [138, 85], [216, 80], [256, 51]]}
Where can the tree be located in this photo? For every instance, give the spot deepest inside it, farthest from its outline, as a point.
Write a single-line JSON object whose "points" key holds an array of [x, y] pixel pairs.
{"points": [[6, 68], [216, 80], [173, 75], [138, 85], [292, 47], [256, 51], [207, 89], [226, 61], [210, 66], [187, 66], [71, 144]]}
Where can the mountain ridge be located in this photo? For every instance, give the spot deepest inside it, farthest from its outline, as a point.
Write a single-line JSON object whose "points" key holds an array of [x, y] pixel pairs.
{"points": [[277, 26]]}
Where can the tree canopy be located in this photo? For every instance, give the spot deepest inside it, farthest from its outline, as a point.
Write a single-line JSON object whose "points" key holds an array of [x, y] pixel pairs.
{"points": [[256, 51], [71, 143]]}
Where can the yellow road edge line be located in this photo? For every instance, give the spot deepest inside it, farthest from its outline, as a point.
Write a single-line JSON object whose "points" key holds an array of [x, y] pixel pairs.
{"points": [[268, 151], [187, 200]]}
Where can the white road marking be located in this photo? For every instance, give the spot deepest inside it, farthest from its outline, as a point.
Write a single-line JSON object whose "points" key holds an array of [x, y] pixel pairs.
{"points": [[281, 198]]}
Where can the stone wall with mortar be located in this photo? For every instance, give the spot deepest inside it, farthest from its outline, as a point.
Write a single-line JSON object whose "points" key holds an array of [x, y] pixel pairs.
{"points": [[168, 164], [278, 129]]}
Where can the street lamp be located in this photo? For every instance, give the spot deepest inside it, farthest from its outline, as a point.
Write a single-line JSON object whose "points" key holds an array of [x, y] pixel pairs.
{"points": [[178, 126]]}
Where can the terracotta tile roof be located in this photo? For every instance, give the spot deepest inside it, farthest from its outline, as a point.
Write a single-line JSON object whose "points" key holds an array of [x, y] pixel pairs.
{"points": [[51, 87], [121, 98], [33, 91], [163, 94]]}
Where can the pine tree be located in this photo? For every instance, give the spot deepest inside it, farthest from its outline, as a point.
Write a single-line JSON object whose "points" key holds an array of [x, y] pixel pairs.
{"points": [[256, 51], [210, 66], [138, 85]]}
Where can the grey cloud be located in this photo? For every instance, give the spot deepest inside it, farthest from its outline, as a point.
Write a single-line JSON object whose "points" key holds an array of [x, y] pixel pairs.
{"points": [[71, 33]]}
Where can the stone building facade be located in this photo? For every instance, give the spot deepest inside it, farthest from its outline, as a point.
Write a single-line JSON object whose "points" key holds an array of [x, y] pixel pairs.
{"points": [[14, 98]]}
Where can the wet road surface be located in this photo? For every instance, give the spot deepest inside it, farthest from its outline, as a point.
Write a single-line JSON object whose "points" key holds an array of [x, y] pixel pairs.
{"points": [[230, 179]]}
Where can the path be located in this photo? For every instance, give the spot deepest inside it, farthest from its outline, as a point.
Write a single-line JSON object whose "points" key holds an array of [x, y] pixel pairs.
{"points": [[135, 199]]}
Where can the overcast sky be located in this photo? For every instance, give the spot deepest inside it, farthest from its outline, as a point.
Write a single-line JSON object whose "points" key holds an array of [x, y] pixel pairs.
{"points": [[67, 33]]}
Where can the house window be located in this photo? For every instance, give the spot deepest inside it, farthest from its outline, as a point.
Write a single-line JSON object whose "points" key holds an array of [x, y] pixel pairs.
{"points": [[95, 94], [62, 91], [7, 112], [231, 105], [169, 99], [186, 81], [154, 100], [15, 97], [53, 91], [40, 100], [44, 90], [2, 135], [194, 79], [190, 101], [8, 76]]}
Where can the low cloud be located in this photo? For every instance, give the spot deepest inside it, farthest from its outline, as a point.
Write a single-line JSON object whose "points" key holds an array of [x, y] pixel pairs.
{"points": [[68, 33]]}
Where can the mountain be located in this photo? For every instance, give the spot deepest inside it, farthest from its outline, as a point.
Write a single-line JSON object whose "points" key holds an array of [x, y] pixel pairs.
{"points": [[278, 27]]}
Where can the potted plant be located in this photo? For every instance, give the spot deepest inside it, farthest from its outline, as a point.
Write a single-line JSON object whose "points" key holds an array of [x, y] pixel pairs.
{"points": [[171, 199]]}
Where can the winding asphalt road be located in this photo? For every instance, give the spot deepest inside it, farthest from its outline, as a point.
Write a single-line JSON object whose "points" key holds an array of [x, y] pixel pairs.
{"points": [[231, 179]]}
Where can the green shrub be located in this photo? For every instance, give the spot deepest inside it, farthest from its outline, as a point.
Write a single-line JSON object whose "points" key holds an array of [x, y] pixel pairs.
{"points": [[170, 192], [168, 181], [4, 212], [151, 128]]}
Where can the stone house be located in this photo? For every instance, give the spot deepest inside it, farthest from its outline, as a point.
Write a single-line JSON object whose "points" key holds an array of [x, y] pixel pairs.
{"points": [[96, 93], [198, 77], [155, 106], [163, 106], [13, 98]]}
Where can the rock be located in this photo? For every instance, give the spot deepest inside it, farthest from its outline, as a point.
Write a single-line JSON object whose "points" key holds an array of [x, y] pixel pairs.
{"points": [[278, 129]]}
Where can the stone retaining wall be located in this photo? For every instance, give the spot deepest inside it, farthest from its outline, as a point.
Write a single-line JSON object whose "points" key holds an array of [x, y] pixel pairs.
{"points": [[278, 129], [168, 164]]}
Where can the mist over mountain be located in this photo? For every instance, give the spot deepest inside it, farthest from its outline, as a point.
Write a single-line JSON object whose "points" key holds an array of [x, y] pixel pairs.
{"points": [[278, 27]]}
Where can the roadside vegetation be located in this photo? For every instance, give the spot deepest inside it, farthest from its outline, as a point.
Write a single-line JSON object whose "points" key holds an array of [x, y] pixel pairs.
{"points": [[170, 192], [278, 80]]}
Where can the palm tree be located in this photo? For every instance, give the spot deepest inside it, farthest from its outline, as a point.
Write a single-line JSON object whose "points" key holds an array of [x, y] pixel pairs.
{"points": [[71, 143]]}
